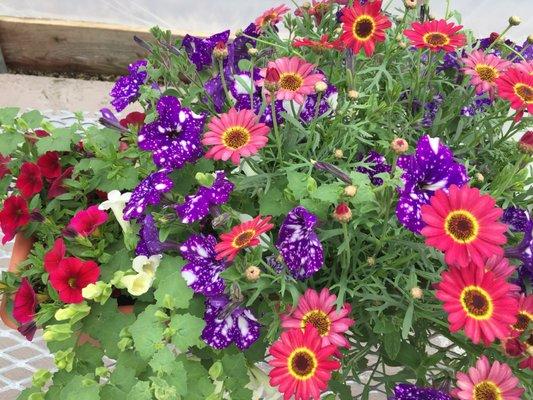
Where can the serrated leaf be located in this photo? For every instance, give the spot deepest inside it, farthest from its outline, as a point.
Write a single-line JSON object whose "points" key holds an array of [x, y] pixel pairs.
{"points": [[188, 330], [199, 385], [9, 141], [172, 290], [32, 118], [297, 183], [80, 388], [141, 391], [328, 193], [147, 332], [162, 361], [59, 140], [8, 115], [236, 373], [274, 203]]}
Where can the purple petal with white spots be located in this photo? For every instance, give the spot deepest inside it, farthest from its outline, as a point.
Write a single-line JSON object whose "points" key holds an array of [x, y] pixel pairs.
{"points": [[226, 324], [148, 192], [430, 168], [516, 218], [200, 50], [406, 391], [126, 88], [238, 49], [202, 273], [328, 102], [174, 138], [377, 164], [299, 244], [197, 207]]}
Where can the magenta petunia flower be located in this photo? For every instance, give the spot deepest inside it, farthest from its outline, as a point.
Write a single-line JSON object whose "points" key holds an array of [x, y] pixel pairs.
{"points": [[71, 276], [24, 303], [85, 222]]}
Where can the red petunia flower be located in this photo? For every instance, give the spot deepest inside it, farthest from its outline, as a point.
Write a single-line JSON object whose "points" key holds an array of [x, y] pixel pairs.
{"points": [[436, 35], [464, 225], [242, 236], [54, 256], [134, 118], [13, 215], [24, 303], [477, 301], [71, 276], [319, 45], [49, 165], [57, 188], [38, 133], [302, 366], [29, 180], [4, 170], [364, 26], [517, 87], [85, 222]]}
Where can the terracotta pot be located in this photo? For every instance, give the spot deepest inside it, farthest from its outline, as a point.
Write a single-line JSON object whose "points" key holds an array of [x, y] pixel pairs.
{"points": [[21, 250]]}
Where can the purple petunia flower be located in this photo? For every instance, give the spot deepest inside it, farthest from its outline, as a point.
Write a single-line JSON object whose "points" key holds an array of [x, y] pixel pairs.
{"points": [[276, 263], [200, 50], [299, 244], [174, 138], [520, 221], [227, 323], [126, 88], [202, 273], [238, 49], [377, 165], [479, 105], [430, 168], [406, 391], [197, 207], [308, 111], [432, 107], [148, 192], [149, 243]]}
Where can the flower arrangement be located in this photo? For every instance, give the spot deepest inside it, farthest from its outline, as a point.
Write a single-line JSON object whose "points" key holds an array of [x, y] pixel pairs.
{"points": [[297, 213]]}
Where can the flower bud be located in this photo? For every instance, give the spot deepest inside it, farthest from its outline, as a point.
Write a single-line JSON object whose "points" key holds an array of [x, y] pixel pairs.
{"points": [[64, 359], [101, 371], [332, 169], [252, 273], [399, 145], [216, 370], [338, 154], [57, 332], [515, 20], [399, 37], [99, 292], [410, 4], [252, 51], [402, 45], [513, 347], [417, 293], [311, 184], [125, 343], [272, 78], [338, 30], [73, 312], [371, 261], [479, 177], [431, 17], [353, 94], [350, 190], [40, 377], [36, 216], [321, 87], [525, 143], [220, 51], [306, 5], [342, 213], [530, 39]]}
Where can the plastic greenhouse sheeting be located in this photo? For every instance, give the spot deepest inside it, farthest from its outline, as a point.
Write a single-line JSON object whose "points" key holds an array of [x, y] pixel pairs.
{"points": [[208, 16]]}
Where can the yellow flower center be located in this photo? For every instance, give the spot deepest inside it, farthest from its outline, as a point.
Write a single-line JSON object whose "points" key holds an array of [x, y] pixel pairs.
{"points": [[363, 27], [436, 39], [486, 72], [461, 226], [290, 81], [319, 320], [525, 92], [302, 363], [236, 137], [477, 303], [243, 238], [487, 390], [522, 321]]}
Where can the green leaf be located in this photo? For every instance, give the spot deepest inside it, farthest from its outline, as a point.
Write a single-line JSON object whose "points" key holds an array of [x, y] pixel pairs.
{"points": [[328, 193], [199, 386], [245, 65], [141, 391], [32, 118], [392, 342], [59, 140], [80, 388], [236, 373], [8, 115], [162, 361], [408, 320], [9, 141], [121, 261], [172, 290], [297, 183], [274, 203], [188, 330], [147, 332], [178, 378], [102, 138]]}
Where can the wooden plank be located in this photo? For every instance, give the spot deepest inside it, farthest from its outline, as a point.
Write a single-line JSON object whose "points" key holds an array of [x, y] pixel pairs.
{"points": [[46, 45]]}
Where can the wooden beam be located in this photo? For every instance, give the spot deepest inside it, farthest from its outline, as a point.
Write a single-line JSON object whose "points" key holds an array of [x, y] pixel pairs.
{"points": [[46, 45]]}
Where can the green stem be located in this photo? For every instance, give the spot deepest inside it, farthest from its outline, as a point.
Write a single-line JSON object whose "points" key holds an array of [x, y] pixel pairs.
{"points": [[223, 79], [276, 129], [500, 36]]}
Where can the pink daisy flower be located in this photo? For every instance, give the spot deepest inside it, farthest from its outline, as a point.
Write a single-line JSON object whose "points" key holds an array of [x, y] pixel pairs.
{"points": [[486, 381], [484, 69], [235, 134], [524, 316], [319, 310], [297, 78], [270, 17], [525, 66], [464, 224]]}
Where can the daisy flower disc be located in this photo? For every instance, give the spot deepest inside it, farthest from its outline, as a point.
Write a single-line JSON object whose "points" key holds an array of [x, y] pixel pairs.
{"points": [[464, 224]]}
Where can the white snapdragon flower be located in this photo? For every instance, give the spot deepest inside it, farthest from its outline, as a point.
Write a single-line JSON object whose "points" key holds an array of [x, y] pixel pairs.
{"points": [[141, 282], [116, 202], [147, 265]]}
